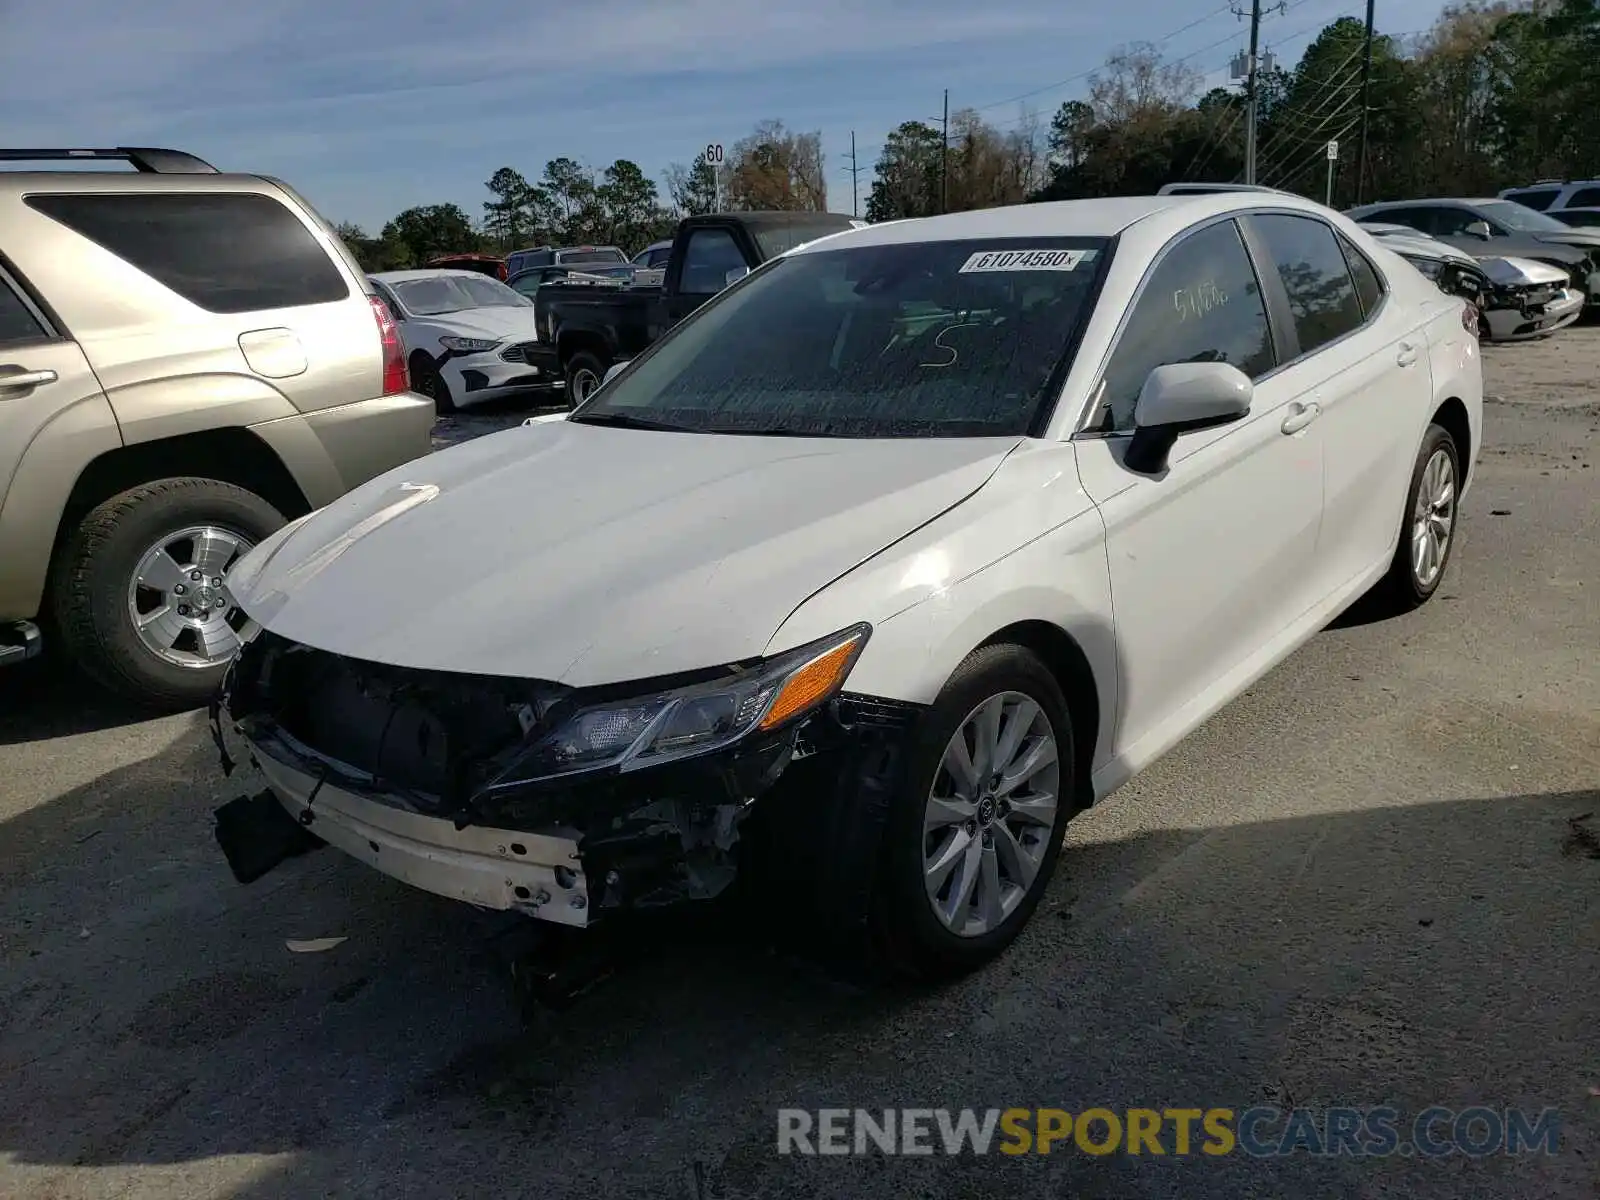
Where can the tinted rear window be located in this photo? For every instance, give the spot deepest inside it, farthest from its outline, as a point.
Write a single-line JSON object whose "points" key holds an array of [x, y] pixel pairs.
{"points": [[225, 253], [1539, 198], [592, 256], [780, 239]]}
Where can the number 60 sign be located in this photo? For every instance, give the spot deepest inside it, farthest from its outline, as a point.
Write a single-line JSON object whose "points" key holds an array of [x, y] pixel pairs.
{"points": [[713, 154]]}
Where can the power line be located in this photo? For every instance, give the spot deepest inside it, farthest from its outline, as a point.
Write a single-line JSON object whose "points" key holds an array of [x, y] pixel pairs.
{"points": [[1082, 75]]}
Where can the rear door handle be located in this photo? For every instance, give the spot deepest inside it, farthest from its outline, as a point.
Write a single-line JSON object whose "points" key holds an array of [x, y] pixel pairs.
{"points": [[25, 379], [1407, 355], [1300, 416]]}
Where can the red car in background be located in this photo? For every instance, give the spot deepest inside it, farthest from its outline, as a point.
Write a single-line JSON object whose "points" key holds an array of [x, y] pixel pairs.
{"points": [[486, 264]]}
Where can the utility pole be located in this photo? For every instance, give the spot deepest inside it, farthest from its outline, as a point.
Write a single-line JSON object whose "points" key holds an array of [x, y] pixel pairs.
{"points": [[1366, 106], [855, 171], [1249, 69], [944, 157], [1250, 94]]}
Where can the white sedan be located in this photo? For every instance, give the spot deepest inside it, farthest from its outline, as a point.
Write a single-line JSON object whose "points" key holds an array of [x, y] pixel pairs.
{"points": [[870, 573], [468, 338]]}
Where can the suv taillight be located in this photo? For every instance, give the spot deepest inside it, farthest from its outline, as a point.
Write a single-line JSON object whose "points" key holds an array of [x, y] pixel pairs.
{"points": [[1469, 316], [396, 378]]}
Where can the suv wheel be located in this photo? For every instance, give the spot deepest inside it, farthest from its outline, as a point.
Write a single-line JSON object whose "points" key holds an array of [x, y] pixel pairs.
{"points": [[974, 833], [141, 587]]}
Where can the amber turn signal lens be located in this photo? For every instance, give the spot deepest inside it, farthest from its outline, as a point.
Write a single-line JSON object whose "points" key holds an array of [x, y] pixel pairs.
{"points": [[812, 683]]}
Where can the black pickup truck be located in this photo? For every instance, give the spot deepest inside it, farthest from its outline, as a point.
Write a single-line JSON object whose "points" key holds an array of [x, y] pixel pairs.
{"points": [[585, 329]]}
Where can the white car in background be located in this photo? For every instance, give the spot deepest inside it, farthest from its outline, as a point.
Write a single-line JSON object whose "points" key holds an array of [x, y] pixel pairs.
{"points": [[468, 338], [868, 574]]}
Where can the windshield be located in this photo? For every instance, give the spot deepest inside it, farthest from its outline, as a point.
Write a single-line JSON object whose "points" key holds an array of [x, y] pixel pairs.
{"points": [[926, 339], [780, 239], [453, 293], [603, 255], [1520, 217]]}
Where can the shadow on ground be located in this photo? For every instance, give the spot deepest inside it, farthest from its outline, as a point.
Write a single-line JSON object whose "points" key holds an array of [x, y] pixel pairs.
{"points": [[1443, 952], [45, 698]]}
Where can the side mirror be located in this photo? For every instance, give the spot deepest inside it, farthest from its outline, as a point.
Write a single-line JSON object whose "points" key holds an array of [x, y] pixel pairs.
{"points": [[1178, 398], [1480, 229], [733, 276], [613, 371]]}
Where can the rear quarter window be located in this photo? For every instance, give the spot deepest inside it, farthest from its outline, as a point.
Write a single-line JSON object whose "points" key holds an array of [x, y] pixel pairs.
{"points": [[225, 253]]}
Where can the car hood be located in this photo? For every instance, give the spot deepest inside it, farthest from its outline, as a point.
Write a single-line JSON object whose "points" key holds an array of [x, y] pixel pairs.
{"points": [[1522, 272], [585, 555], [498, 323], [1583, 239], [1421, 246]]}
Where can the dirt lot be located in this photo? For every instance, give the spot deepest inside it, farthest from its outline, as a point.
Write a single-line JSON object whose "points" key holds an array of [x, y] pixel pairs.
{"points": [[1357, 885]]}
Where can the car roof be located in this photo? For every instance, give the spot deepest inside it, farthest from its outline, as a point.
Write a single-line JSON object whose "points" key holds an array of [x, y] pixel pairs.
{"points": [[425, 273], [1103, 217]]}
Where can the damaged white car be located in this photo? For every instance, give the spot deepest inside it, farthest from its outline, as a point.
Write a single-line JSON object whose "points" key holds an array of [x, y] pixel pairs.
{"points": [[1517, 298], [867, 576]]}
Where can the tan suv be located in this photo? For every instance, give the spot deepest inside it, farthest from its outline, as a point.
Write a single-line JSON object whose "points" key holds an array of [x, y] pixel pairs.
{"points": [[187, 360]]}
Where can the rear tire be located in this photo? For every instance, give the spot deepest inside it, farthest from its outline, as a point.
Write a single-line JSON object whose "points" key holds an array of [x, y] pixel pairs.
{"points": [[1428, 529], [912, 920], [96, 598], [585, 372]]}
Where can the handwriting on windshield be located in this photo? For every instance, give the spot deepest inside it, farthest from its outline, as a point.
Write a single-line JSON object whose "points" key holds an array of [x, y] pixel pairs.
{"points": [[1193, 303], [938, 344]]}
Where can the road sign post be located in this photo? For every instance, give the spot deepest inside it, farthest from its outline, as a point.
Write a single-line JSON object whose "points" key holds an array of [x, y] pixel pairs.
{"points": [[1333, 157], [713, 157]]}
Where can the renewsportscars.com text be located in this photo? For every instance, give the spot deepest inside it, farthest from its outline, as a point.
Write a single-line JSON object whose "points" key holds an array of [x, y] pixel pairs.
{"points": [[1259, 1132]]}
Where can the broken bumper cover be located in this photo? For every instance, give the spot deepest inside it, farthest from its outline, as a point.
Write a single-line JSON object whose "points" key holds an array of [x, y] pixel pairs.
{"points": [[537, 874], [337, 742]]}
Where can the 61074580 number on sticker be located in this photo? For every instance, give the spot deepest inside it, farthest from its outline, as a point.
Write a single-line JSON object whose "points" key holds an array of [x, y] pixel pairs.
{"points": [[1025, 260]]}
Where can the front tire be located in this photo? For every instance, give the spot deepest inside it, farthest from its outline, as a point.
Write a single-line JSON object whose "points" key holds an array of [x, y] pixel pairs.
{"points": [[973, 834], [140, 588], [1428, 533], [426, 380]]}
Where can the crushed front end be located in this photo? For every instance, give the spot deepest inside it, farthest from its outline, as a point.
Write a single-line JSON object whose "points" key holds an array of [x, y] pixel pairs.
{"points": [[529, 796]]}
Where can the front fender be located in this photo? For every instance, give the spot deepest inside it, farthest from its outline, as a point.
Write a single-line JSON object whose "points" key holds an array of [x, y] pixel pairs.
{"points": [[1029, 546]]}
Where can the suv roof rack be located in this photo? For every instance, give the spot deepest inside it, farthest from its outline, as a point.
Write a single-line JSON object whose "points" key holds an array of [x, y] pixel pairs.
{"points": [[151, 160]]}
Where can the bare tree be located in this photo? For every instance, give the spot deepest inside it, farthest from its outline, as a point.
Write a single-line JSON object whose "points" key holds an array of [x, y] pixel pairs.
{"points": [[1138, 88], [776, 168]]}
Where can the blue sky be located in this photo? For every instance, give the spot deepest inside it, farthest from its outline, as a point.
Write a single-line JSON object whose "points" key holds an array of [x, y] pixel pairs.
{"points": [[369, 108]]}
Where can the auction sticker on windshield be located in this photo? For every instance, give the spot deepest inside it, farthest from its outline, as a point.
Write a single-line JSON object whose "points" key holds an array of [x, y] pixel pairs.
{"points": [[1026, 260]]}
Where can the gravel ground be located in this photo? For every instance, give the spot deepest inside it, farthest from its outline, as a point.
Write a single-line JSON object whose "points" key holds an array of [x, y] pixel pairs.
{"points": [[1359, 884]]}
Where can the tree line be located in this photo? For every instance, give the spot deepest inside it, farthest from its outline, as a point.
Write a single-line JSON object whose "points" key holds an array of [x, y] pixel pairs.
{"points": [[570, 204], [1495, 94]]}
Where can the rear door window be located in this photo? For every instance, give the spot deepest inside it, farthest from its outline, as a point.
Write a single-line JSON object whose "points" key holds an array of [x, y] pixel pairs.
{"points": [[1588, 197], [17, 322], [1322, 294], [1369, 284], [223, 252]]}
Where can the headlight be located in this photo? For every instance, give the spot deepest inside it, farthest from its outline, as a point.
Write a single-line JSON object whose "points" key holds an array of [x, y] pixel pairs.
{"points": [[466, 345], [649, 730]]}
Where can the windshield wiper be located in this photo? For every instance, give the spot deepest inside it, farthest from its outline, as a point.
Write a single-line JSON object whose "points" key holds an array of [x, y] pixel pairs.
{"points": [[622, 420]]}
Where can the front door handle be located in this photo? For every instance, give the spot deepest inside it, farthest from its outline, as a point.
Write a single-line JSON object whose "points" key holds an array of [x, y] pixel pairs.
{"points": [[1300, 416], [25, 379], [1407, 355]]}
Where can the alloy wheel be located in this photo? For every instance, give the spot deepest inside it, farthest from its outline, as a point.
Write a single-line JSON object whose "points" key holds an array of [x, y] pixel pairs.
{"points": [[1433, 519], [178, 598], [990, 814]]}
